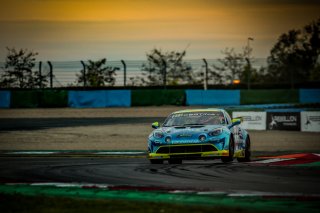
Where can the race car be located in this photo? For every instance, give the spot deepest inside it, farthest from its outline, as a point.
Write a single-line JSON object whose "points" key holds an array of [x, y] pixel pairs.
{"points": [[198, 134]]}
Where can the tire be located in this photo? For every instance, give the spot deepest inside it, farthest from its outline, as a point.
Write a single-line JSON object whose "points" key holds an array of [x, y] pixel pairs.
{"points": [[175, 161], [231, 152], [247, 152], [156, 161]]}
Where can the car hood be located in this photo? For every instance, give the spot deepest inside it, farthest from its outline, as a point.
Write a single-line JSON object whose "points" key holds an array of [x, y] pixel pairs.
{"points": [[188, 130]]}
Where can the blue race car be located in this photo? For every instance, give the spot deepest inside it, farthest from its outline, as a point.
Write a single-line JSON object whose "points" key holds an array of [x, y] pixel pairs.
{"points": [[198, 134]]}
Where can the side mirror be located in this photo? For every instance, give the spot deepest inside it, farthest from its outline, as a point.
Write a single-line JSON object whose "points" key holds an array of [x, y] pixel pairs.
{"points": [[235, 121], [155, 125]]}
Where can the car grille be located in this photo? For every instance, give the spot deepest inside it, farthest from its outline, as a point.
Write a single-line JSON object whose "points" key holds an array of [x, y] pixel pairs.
{"points": [[186, 149]]}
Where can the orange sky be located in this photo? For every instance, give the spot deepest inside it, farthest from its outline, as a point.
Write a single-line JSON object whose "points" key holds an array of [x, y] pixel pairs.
{"points": [[124, 29]]}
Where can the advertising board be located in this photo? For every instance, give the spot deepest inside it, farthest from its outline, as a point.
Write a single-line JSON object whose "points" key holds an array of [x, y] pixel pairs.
{"points": [[310, 121], [252, 120], [283, 121]]}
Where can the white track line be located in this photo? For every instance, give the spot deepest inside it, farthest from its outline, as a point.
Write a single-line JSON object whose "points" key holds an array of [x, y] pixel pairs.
{"points": [[273, 160], [118, 153], [32, 152]]}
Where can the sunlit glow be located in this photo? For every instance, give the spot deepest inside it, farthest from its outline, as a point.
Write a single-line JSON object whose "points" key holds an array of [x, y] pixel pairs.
{"points": [[75, 29], [236, 81]]}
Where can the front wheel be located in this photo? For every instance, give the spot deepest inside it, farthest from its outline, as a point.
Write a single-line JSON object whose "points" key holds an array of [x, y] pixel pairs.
{"points": [[231, 152]]}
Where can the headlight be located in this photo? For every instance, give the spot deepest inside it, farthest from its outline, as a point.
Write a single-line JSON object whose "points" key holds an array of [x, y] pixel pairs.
{"points": [[168, 139], [215, 132], [202, 138], [158, 134]]}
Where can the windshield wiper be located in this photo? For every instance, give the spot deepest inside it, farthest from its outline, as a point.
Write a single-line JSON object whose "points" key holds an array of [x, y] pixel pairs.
{"points": [[173, 126], [192, 124]]}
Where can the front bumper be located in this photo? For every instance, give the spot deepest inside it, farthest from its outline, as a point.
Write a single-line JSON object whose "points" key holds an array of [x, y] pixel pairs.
{"points": [[211, 154]]}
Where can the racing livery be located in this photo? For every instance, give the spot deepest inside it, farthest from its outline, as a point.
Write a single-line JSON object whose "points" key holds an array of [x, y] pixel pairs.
{"points": [[198, 134]]}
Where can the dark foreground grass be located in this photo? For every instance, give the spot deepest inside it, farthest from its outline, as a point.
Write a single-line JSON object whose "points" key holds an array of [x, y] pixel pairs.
{"points": [[23, 203]]}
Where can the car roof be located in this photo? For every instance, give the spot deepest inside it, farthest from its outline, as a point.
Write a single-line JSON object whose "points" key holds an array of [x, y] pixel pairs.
{"points": [[199, 110]]}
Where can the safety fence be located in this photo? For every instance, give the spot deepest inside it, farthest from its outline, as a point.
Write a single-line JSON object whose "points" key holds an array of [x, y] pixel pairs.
{"points": [[127, 98], [306, 121], [66, 73]]}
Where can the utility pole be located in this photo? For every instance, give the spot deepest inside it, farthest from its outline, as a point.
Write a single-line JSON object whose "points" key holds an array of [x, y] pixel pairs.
{"points": [[124, 73], [205, 74], [248, 61], [40, 74], [84, 74], [51, 74], [164, 64]]}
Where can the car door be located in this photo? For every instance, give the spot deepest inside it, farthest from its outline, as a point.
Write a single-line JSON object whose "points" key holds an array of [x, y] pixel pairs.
{"points": [[237, 134]]}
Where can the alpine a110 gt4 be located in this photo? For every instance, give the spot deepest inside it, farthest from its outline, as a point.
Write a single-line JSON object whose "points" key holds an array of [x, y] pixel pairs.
{"points": [[198, 134]]}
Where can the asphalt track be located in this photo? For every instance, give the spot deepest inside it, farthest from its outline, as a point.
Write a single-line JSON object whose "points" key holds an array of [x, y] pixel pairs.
{"points": [[199, 175], [13, 124], [191, 175]]}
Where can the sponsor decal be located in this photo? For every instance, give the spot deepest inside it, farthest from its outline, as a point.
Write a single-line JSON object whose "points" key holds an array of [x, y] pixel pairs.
{"points": [[184, 136], [283, 121], [196, 114], [185, 141]]}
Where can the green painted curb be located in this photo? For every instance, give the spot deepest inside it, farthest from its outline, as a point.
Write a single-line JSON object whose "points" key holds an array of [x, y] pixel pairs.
{"points": [[314, 164], [255, 203]]}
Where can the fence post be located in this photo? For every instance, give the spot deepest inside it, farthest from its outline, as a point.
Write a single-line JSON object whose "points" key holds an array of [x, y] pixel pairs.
{"points": [[40, 74], [124, 73], [205, 74], [50, 73], [164, 63], [84, 74], [249, 73]]}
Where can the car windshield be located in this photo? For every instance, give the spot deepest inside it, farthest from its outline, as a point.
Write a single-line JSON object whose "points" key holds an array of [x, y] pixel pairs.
{"points": [[195, 118]]}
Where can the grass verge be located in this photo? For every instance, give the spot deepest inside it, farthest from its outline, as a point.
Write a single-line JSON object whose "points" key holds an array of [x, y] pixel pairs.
{"points": [[23, 204]]}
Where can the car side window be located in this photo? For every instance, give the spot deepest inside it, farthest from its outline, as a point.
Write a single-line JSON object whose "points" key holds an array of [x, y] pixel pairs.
{"points": [[227, 118]]}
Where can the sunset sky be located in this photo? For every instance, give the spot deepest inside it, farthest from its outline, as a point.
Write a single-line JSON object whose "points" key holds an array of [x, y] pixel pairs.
{"points": [[127, 29]]}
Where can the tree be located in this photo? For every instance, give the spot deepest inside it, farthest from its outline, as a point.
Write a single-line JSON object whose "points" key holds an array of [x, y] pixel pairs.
{"points": [[295, 55], [169, 67], [18, 70], [231, 66], [97, 74]]}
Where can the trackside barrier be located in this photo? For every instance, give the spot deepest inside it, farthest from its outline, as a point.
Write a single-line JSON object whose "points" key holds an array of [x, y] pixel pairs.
{"points": [[39, 98], [53, 98], [252, 120], [265, 99], [24, 99], [305, 121], [158, 97], [99, 98], [269, 96], [309, 95], [283, 121], [5, 99], [212, 97]]}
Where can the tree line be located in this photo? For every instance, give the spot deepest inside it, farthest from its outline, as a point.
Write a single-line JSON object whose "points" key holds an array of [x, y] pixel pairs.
{"points": [[294, 56]]}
